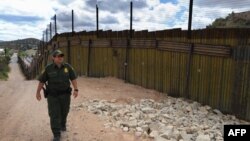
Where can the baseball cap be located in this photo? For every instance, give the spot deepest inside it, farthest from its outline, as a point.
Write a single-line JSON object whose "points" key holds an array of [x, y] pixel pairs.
{"points": [[57, 53]]}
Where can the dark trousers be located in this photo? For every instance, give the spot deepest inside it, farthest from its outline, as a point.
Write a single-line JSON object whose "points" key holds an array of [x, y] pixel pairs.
{"points": [[58, 107]]}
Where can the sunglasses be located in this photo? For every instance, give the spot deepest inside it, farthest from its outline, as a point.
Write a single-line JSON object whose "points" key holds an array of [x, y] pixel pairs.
{"points": [[59, 56]]}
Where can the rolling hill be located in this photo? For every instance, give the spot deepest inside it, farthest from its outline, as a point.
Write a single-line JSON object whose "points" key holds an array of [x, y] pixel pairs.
{"points": [[233, 20], [23, 44]]}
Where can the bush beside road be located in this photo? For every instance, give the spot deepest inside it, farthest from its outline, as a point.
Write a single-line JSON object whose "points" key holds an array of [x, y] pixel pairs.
{"points": [[4, 64]]}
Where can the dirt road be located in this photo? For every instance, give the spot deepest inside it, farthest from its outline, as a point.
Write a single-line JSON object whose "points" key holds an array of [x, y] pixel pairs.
{"points": [[23, 118]]}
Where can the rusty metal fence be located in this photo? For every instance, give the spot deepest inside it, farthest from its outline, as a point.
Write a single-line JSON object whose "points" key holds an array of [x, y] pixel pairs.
{"points": [[212, 68]]}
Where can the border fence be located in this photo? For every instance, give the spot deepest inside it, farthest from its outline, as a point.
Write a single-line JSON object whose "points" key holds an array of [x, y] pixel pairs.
{"points": [[211, 66]]}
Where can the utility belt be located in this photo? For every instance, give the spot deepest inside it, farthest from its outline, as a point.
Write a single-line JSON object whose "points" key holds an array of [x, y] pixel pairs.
{"points": [[53, 92]]}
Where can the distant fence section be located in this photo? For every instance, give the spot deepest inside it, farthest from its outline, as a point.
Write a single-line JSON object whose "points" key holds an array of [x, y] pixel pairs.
{"points": [[212, 68]]}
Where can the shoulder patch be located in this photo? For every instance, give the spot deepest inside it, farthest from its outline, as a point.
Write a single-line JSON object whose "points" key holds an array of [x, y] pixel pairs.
{"points": [[66, 70], [68, 65]]}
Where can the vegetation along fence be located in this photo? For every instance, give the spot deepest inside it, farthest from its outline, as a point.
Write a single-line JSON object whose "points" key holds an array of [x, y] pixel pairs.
{"points": [[212, 68]]}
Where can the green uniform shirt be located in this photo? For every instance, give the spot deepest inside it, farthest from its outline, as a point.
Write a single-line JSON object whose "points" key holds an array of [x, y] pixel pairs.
{"points": [[58, 78]]}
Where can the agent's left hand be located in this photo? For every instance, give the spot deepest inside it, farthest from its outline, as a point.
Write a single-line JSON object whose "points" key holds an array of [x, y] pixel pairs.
{"points": [[75, 94]]}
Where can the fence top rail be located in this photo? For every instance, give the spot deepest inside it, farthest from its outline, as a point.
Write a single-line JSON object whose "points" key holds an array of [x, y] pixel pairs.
{"points": [[168, 33]]}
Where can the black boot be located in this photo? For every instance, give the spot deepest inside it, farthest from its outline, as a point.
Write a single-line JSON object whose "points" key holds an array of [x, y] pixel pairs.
{"points": [[63, 128], [57, 138]]}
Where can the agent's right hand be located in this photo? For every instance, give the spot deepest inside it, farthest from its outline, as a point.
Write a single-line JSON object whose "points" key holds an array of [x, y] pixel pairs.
{"points": [[38, 96]]}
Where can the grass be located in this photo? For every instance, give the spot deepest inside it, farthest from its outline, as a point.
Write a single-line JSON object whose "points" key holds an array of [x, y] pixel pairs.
{"points": [[4, 64], [22, 54], [4, 67]]}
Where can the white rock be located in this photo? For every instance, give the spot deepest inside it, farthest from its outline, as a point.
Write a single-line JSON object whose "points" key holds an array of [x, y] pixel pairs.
{"points": [[195, 105], [125, 129], [139, 129], [113, 100], [145, 127], [117, 124], [176, 135], [132, 124], [167, 116], [189, 109], [216, 111], [203, 110], [147, 121], [186, 137], [233, 117], [148, 110], [156, 126], [191, 130], [107, 125], [153, 134], [151, 116], [78, 108], [167, 128], [122, 112], [115, 113], [202, 137], [167, 132], [207, 107], [138, 134], [140, 123], [219, 138], [205, 127], [106, 113]]}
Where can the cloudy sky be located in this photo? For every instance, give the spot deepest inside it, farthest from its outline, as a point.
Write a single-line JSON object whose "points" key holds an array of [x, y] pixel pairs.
{"points": [[29, 18]]}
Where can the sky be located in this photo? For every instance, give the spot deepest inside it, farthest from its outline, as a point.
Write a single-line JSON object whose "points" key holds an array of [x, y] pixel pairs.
{"points": [[29, 18]]}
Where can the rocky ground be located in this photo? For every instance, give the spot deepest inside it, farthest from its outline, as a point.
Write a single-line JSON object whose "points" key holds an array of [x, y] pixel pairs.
{"points": [[170, 119]]}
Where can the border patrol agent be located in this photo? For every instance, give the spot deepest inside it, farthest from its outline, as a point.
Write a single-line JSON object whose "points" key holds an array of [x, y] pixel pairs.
{"points": [[58, 75]]}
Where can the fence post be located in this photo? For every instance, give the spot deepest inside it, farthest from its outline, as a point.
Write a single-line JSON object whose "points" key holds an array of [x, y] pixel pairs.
{"points": [[89, 52], [46, 35], [46, 58], [190, 19], [126, 77], [55, 25], [97, 21], [239, 98], [50, 30], [189, 36], [69, 51], [131, 19], [72, 12]]}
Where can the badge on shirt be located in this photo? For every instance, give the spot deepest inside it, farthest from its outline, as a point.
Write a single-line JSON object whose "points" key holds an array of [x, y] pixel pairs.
{"points": [[66, 70]]}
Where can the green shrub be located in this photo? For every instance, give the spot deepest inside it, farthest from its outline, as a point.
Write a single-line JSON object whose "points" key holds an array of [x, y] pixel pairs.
{"points": [[4, 67]]}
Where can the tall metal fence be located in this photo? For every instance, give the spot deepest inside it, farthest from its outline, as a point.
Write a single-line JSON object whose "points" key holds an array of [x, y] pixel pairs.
{"points": [[213, 68]]}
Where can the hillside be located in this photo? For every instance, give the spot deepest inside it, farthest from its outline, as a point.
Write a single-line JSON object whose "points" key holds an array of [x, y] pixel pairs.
{"points": [[23, 44], [233, 20]]}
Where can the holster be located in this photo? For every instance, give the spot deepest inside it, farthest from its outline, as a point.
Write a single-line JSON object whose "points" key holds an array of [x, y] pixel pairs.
{"points": [[53, 92], [45, 91]]}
